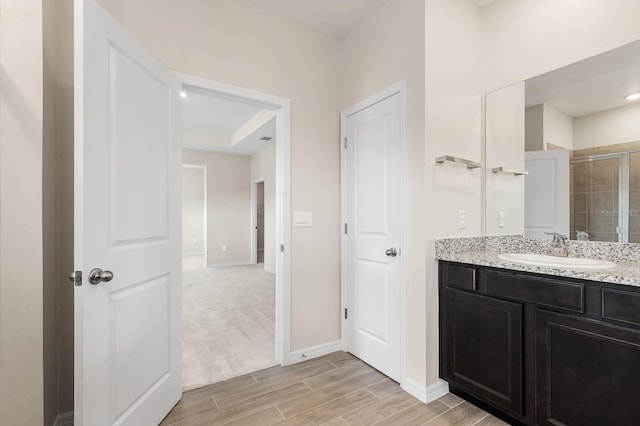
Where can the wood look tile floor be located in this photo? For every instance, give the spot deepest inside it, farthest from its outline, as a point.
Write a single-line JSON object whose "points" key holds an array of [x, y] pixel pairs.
{"points": [[335, 389]]}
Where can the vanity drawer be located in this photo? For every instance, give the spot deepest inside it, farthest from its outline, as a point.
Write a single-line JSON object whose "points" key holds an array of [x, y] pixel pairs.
{"points": [[540, 291], [458, 276], [621, 305]]}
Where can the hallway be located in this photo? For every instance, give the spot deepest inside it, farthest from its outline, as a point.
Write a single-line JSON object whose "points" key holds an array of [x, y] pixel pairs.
{"points": [[228, 321]]}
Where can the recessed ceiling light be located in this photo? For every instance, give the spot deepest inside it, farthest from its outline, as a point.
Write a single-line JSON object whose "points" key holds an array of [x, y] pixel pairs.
{"points": [[183, 94], [266, 138], [633, 97]]}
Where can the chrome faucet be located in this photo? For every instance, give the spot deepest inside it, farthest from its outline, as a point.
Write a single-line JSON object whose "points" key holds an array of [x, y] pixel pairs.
{"points": [[559, 245], [582, 236]]}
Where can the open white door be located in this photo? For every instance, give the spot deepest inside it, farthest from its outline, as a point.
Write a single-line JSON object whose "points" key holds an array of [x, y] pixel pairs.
{"points": [[546, 202], [373, 235], [127, 221]]}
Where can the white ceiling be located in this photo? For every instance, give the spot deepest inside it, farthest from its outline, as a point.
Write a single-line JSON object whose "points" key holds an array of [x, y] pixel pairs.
{"points": [[334, 18], [592, 85], [203, 111], [220, 117]]}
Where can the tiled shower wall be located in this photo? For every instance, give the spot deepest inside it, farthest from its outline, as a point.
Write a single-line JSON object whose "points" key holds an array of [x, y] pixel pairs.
{"points": [[593, 198]]}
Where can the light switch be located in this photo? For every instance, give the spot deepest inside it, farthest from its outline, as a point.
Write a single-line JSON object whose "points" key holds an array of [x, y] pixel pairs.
{"points": [[462, 219], [500, 219], [303, 219]]}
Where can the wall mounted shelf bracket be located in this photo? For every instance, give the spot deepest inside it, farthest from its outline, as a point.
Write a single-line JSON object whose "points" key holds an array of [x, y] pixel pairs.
{"points": [[470, 164], [509, 171]]}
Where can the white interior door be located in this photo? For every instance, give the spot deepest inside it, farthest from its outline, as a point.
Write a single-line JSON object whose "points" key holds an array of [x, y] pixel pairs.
{"points": [[127, 221], [374, 231], [546, 202]]}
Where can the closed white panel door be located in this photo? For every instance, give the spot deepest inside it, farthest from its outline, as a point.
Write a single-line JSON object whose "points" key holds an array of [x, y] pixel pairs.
{"points": [[546, 201], [127, 222], [373, 235]]}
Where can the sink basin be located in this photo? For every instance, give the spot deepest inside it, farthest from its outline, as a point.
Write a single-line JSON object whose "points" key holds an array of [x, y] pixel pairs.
{"points": [[556, 261]]}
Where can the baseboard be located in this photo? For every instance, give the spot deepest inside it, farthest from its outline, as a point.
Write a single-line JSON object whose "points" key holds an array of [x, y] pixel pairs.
{"points": [[426, 394], [315, 351], [64, 419], [224, 265]]}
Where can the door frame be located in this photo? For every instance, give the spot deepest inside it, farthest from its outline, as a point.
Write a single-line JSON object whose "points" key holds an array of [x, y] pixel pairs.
{"points": [[282, 106], [204, 177], [399, 88], [254, 219]]}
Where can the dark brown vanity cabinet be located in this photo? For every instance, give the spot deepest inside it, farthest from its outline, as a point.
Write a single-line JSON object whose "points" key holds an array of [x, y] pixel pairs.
{"points": [[482, 332], [587, 371], [541, 349]]}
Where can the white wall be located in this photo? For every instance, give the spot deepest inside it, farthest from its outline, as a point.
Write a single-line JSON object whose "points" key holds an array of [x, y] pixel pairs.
{"points": [[21, 212], [235, 43], [263, 165], [385, 49], [50, 287], [525, 38], [546, 125], [228, 205], [534, 128], [558, 128], [193, 210], [619, 125], [454, 123], [505, 148]]}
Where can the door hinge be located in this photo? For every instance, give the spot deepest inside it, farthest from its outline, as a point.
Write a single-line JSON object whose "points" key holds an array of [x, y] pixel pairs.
{"points": [[346, 315], [282, 248], [345, 228], [345, 142]]}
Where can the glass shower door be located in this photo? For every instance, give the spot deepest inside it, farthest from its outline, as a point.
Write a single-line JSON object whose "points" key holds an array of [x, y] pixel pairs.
{"points": [[634, 197]]}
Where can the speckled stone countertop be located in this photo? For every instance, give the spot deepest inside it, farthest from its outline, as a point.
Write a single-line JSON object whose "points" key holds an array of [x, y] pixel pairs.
{"points": [[483, 251]]}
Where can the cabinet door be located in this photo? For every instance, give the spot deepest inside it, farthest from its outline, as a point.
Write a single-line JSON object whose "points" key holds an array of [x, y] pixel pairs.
{"points": [[484, 348], [587, 372]]}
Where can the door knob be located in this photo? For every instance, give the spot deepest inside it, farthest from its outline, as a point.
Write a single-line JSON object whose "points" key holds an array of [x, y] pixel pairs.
{"points": [[97, 276], [393, 252]]}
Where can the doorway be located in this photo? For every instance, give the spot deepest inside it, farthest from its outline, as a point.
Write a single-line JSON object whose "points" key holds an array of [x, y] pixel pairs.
{"points": [[258, 221], [246, 169], [373, 212]]}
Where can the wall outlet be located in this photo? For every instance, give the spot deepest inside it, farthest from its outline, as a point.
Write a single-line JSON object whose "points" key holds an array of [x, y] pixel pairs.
{"points": [[462, 219], [224, 247], [500, 219]]}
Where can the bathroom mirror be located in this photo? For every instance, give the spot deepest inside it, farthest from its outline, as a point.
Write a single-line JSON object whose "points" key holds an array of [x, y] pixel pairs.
{"points": [[578, 138]]}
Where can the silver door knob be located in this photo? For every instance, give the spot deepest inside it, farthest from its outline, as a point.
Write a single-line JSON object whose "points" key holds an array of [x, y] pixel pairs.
{"points": [[393, 252], [97, 276]]}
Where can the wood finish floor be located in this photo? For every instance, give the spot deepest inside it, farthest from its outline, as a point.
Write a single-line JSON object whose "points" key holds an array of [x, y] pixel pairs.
{"points": [[336, 389]]}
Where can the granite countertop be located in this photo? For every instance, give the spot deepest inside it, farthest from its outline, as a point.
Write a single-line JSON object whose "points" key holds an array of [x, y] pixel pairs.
{"points": [[484, 251]]}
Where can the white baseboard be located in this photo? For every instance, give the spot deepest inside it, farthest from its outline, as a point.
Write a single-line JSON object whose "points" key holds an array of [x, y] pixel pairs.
{"points": [[64, 419], [315, 351], [224, 265], [426, 394]]}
